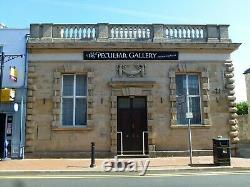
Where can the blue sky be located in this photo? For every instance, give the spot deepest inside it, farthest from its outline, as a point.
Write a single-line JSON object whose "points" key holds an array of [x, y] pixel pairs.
{"points": [[20, 13]]}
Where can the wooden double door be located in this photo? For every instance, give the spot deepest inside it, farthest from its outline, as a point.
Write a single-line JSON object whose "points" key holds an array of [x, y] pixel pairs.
{"points": [[132, 136]]}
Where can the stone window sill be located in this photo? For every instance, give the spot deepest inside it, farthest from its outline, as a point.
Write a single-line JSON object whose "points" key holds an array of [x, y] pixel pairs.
{"points": [[192, 126], [72, 128]]}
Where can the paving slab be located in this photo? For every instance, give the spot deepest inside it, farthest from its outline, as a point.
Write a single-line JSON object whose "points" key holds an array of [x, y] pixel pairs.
{"points": [[82, 166]]}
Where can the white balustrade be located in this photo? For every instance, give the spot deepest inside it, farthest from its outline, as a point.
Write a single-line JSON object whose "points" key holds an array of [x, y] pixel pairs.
{"points": [[185, 32], [77, 31], [130, 32]]}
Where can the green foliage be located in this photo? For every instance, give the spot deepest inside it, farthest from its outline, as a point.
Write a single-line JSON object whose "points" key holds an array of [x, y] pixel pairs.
{"points": [[242, 108]]}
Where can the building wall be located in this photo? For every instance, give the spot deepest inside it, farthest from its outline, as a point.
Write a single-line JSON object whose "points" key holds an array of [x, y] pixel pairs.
{"points": [[244, 128], [13, 42], [56, 49], [247, 80], [45, 138], [244, 120]]}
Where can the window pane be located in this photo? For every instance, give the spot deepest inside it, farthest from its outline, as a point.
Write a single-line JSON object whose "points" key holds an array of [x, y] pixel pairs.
{"points": [[139, 103], [181, 113], [194, 104], [193, 85], [181, 85], [68, 82], [81, 85], [81, 111], [124, 102], [67, 112]]}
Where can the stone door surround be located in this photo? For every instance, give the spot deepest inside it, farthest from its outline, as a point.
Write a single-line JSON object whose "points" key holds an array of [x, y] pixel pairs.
{"points": [[131, 88]]}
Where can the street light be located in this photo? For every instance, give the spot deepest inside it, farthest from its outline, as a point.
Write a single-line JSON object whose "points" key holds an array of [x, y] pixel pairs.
{"points": [[4, 59]]}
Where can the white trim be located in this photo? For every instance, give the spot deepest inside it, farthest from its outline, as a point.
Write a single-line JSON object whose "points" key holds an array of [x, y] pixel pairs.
{"points": [[192, 96], [74, 97]]}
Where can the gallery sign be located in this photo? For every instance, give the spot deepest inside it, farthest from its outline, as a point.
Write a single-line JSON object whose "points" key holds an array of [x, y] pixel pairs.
{"points": [[130, 55]]}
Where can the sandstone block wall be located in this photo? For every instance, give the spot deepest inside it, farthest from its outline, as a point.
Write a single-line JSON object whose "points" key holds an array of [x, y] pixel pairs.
{"points": [[46, 135]]}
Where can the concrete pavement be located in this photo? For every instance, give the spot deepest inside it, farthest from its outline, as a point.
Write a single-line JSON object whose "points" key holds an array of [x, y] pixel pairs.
{"points": [[163, 164]]}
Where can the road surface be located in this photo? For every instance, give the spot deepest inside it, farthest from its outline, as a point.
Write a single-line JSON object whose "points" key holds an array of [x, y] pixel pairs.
{"points": [[201, 179]]}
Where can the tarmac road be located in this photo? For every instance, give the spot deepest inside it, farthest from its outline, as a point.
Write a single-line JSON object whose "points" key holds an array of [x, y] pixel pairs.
{"points": [[200, 179]]}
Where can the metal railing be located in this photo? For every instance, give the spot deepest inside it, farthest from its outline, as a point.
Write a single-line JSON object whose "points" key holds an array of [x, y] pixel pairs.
{"points": [[121, 143], [143, 141]]}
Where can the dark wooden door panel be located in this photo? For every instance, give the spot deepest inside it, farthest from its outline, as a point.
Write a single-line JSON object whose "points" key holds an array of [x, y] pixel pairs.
{"points": [[132, 121]]}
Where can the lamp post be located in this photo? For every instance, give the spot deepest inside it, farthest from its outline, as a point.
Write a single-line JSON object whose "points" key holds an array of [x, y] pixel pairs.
{"points": [[4, 59]]}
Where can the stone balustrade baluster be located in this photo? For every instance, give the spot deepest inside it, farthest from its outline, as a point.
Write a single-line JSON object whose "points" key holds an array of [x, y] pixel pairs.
{"points": [[64, 32], [198, 33], [73, 32], [133, 32], [195, 33], [83, 33], [167, 31], [92, 33], [148, 33], [137, 32], [89, 32], [188, 32], [69, 32], [78, 32], [177, 32], [116, 32], [183, 31], [153, 32], [201, 33]]}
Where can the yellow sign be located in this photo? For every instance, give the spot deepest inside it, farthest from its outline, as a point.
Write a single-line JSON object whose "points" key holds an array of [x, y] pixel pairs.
{"points": [[13, 73], [7, 95]]}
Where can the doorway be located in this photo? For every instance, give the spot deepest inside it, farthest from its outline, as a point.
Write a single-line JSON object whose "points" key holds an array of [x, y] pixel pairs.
{"points": [[132, 132]]}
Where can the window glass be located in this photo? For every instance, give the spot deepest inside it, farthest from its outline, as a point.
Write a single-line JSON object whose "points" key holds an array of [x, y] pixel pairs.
{"points": [[124, 102], [81, 82], [74, 103], [181, 113], [194, 104], [188, 100], [67, 112], [181, 85], [68, 85], [193, 85], [139, 102], [81, 111]]}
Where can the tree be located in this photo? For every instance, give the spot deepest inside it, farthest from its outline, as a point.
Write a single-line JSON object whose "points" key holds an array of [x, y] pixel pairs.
{"points": [[242, 108]]}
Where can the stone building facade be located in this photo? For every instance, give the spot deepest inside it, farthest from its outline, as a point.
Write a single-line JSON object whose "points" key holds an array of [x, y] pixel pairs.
{"points": [[247, 80], [244, 120], [127, 88]]}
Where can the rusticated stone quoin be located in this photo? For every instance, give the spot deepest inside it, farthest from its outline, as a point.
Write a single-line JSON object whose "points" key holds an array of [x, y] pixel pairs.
{"points": [[234, 133]]}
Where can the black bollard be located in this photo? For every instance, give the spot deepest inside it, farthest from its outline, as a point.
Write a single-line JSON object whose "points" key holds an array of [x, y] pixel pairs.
{"points": [[92, 155]]}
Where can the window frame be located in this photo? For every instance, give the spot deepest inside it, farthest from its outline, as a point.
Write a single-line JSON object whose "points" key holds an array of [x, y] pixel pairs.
{"points": [[74, 97], [191, 96]]}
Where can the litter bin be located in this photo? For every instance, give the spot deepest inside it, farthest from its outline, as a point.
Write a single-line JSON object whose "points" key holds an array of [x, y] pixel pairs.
{"points": [[221, 151]]}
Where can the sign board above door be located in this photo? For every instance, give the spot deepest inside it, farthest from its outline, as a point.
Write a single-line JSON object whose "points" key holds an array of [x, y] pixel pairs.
{"points": [[130, 55]]}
